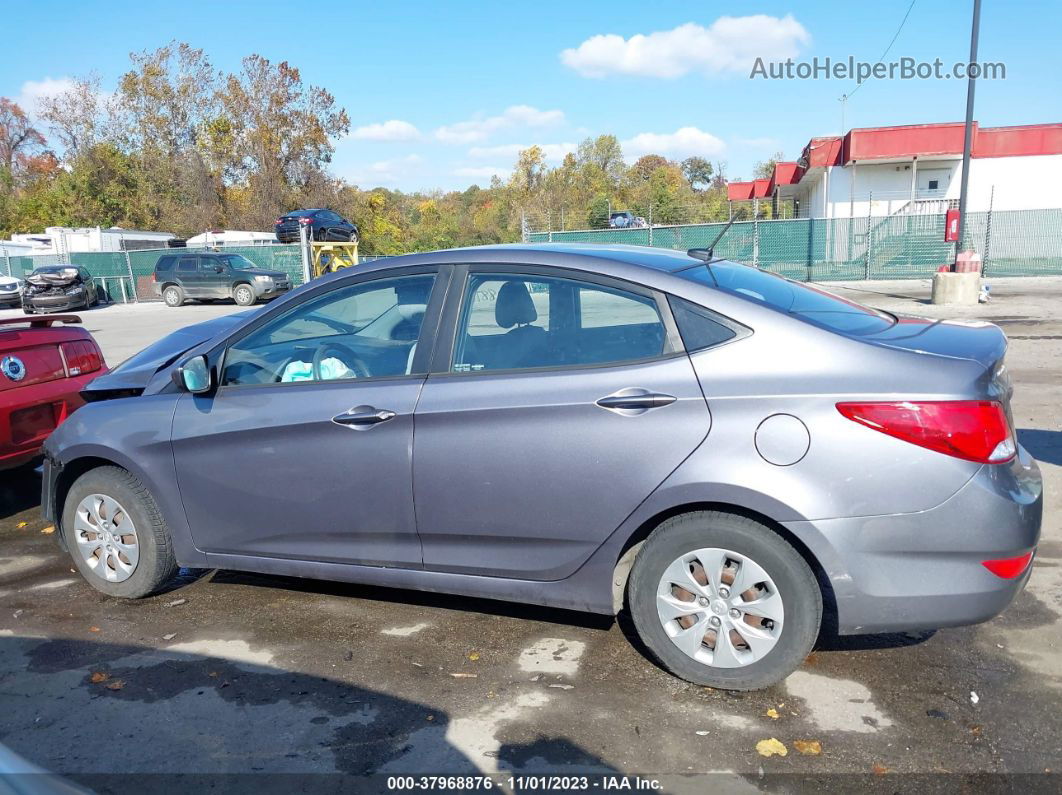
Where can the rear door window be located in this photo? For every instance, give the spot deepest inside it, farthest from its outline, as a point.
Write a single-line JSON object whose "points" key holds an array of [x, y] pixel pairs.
{"points": [[512, 322], [187, 264]]}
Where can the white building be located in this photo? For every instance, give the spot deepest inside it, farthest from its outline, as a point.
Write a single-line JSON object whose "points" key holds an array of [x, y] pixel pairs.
{"points": [[231, 237], [883, 171], [63, 240]]}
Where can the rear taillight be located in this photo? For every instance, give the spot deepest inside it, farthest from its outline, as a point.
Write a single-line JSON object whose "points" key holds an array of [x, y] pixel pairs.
{"points": [[278, 222], [305, 220], [82, 356], [976, 430]]}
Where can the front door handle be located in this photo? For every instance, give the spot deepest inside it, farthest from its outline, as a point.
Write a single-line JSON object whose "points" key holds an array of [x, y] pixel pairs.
{"points": [[363, 417], [636, 400]]}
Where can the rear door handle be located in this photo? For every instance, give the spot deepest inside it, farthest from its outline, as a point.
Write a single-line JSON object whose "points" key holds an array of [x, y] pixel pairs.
{"points": [[639, 400], [363, 417]]}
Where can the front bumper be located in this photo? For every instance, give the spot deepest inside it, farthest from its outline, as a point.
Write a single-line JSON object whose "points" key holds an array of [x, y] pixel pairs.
{"points": [[271, 291], [10, 299], [56, 303], [924, 570]]}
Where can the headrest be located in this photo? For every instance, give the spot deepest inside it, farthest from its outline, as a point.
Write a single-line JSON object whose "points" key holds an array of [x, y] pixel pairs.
{"points": [[514, 305], [411, 311]]}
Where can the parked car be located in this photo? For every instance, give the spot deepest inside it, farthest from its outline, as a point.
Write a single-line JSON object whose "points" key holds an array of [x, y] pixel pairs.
{"points": [[58, 288], [721, 451], [10, 291], [625, 220], [43, 369], [211, 277], [322, 226]]}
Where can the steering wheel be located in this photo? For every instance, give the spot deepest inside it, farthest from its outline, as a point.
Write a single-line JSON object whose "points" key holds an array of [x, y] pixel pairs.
{"points": [[347, 356]]}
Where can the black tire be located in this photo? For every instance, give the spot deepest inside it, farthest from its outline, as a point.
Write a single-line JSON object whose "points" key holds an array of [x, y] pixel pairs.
{"points": [[354, 236], [156, 565], [243, 295], [796, 584], [173, 296]]}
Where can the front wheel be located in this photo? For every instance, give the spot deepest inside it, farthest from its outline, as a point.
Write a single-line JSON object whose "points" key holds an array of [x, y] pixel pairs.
{"points": [[113, 530], [243, 295], [354, 236], [173, 295], [724, 601]]}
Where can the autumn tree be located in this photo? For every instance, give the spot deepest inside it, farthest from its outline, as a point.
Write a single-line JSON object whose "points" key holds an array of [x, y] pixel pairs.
{"points": [[282, 134], [19, 139], [765, 168]]}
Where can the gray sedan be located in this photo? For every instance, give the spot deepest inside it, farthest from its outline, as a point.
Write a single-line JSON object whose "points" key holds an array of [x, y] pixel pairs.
{"points": [[739, 460]]}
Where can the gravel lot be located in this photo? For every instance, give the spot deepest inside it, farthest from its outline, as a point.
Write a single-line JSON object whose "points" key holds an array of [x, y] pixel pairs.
{"points": [[235, 673]]}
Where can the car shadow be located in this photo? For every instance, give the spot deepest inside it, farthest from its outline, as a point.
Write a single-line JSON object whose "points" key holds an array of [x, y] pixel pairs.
{"points": [[20, 490], [1045, 446], [468, 604], [208, 721]]}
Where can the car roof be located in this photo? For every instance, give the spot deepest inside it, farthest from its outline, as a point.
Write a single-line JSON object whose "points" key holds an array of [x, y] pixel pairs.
{"points": [[587, 256]]}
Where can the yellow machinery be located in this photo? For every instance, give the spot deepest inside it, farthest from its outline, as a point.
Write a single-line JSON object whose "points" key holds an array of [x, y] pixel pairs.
{"points": [[328, 257]]}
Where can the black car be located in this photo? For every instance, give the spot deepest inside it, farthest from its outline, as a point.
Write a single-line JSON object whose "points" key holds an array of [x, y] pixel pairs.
{"points": [[57, 288], [210, 276], [322, 226]]}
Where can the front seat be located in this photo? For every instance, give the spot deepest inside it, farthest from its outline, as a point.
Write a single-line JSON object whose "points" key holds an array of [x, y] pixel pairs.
{"points": [[523, 345]]}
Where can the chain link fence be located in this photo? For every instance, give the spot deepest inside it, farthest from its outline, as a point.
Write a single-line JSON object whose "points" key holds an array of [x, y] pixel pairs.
{"points": [[128, 276], [1010, 242]]}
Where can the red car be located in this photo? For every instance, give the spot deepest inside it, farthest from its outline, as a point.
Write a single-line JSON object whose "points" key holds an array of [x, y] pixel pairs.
{"points": [[42, 371]]}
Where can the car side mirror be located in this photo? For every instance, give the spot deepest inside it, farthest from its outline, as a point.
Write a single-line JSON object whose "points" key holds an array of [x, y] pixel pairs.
{"points": [[193, 376]]}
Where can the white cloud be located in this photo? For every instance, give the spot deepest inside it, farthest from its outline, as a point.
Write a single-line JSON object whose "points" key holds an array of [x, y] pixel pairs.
{"points": [[393, 130], [553, 153], [33, 91], [485, 172], [730, 44], [684, 142], [388, 172], [480, 129]]}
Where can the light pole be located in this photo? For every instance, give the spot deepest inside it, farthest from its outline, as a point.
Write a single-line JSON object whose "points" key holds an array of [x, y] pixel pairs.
{"points": [[971, 83]]}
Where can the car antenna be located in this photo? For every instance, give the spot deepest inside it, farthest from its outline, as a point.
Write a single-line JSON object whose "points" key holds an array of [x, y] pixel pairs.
{"points": [[706, 254]]}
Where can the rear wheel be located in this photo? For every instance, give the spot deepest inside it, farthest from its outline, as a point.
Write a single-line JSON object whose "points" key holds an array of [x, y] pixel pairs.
{"points": [[173, 295], [243, 295], [116, 535], [723, 601]]}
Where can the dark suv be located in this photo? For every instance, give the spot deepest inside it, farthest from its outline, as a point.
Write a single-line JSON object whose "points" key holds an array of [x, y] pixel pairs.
{"points": [[322, 225], [209, 277]]}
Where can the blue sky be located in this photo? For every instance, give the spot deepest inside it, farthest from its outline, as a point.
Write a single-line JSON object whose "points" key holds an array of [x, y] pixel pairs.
{"points": [[464, 84]]}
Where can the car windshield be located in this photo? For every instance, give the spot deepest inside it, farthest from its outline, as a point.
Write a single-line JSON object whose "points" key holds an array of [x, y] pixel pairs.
{"points": [[794, 298], [64, 270], [238, 262]]}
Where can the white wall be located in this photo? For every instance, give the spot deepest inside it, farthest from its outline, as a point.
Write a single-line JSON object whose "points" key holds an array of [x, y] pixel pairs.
{"points": [[1021, 183]]}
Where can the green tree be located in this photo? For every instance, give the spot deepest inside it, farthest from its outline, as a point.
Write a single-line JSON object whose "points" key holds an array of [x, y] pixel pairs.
{"points": [[697, 171]]}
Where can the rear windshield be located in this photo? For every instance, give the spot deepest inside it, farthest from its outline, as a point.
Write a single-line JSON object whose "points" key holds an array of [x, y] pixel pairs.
{"points": [[808, 303]]}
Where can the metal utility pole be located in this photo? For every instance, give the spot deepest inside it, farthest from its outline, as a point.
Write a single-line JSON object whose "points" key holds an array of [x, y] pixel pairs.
{"points": [[971, 83]]}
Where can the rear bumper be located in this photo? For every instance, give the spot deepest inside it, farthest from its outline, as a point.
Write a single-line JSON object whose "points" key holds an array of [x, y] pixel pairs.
{"points": [[924, 570], [62, 395]]}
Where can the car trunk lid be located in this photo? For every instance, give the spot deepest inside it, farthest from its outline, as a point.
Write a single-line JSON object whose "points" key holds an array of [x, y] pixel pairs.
{"points": [[24, 360], [974, 340]]}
